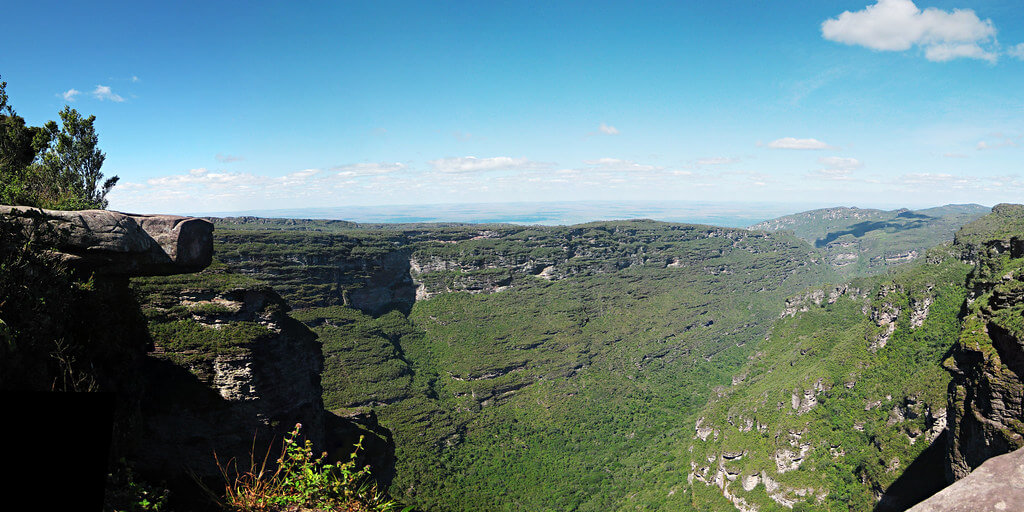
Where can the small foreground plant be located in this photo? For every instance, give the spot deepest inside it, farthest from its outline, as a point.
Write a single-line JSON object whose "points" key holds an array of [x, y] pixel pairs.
{"points": [[302, 481], [125, 493]]}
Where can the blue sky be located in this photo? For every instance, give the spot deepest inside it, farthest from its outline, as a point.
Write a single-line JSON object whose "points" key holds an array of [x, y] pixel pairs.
{"points": [[211, 106]]}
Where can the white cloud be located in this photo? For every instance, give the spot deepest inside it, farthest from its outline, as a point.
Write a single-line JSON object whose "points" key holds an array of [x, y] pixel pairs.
{"points": [[616, 164], [948, 52], [200, 176], [718, 160], [103, 92], [69, 95], [223, 158], [794, 143], [608, 130], [936, 180], [837, 168], [1005, 142], [898, 25], [467, 164], [839, 162], [305, 173], [368, 169], [135, 79], [1016, 51], [832, 174], [954, 155]]}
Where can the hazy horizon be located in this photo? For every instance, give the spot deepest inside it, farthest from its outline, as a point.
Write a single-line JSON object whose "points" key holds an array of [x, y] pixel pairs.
{"points": [[725, 214]]}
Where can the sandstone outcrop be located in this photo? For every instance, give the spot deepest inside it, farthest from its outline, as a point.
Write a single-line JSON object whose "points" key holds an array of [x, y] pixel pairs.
{"points": [[995, 486], [228, 398], [232, 372], [119, 244]]}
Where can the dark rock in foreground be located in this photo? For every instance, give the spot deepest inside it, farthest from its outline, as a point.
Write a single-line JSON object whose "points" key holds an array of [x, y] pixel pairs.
{"points": [[997, 485], [118, 244]]}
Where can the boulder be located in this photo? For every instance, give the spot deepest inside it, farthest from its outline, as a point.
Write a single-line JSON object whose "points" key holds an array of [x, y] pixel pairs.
{"points": [[996, 485], [118, 244]]}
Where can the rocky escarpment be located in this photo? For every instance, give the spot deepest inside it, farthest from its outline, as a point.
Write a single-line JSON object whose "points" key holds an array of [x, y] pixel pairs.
{"points": [[235, 372], [117, 244], [377, 270], [198, 362], [986, 395]]}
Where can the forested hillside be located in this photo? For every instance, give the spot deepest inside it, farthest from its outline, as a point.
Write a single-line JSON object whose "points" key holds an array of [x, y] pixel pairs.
{"points": [[860, 241], [567, 371], [624, 365]]}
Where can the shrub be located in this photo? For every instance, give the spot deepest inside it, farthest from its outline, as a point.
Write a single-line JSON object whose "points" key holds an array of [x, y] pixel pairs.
{"points": [[302, 481]]}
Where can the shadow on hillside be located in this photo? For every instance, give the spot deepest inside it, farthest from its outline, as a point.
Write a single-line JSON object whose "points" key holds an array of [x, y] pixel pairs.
{"points": [[923, 478], [860, 229], [912, 215]]}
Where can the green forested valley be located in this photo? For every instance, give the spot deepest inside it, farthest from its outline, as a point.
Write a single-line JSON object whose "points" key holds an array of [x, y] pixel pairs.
{"points": [[627, 365]]}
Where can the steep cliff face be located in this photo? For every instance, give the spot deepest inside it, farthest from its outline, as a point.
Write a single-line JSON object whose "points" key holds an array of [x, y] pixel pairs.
{"points": [[232, 370], [377, 270], [198, 362], [986, 395]]}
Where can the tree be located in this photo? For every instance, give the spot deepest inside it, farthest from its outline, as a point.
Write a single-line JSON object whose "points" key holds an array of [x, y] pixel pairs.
{"points": [[72, 162], [19, 147], [51, 167]]}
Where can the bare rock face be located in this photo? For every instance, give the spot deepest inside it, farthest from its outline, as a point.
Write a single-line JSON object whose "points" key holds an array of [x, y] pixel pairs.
{"points": [[231, 398], [246, 376], [986, 396], [119, 244], [986, 393], [997, 485]]}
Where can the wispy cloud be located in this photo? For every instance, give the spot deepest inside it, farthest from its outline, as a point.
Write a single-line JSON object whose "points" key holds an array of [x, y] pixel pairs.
{"points": [[1016, 51], [929, 179], [69, 95], [794, 143], [204, 189], [840, 162], [608, 129], [368, 169], [103, 92], [470, 164], [837, 168], [225, 159], [616, 164], [718, 160], [1004, 141], [898, 25]]}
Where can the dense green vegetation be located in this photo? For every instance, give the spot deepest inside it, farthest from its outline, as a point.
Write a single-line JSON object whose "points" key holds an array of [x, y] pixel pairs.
{"points": [[611, 357], [615, 365], [1006, 222], [855, 416], [49, 166], [860, 242]]}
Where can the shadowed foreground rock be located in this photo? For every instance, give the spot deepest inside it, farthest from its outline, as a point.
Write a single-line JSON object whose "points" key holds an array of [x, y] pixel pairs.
{"points": [[118, 244], [997, 485]]}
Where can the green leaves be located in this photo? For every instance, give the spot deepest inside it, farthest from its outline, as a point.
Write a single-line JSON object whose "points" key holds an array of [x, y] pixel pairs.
{"points": [[50, 166], [306, 481]]}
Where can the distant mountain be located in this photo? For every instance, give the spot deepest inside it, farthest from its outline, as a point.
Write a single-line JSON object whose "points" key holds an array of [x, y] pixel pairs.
{"points": [[865, 241]]}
